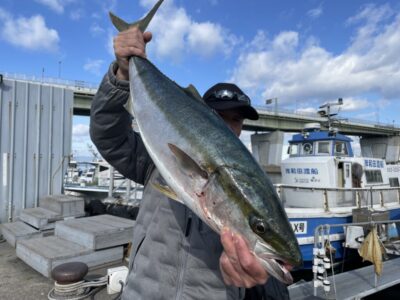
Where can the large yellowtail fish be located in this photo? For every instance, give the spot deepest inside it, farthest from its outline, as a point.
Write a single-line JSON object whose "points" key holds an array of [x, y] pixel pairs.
{"points": [[205, 166]]}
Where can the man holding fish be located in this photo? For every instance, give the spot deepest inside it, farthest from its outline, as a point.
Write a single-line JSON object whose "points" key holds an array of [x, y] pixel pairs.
{"points": [[176, 252]]}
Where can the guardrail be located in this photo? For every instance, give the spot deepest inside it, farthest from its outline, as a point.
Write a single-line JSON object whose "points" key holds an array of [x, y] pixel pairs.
{"points": [[315, 115], [328, 198], [77, 85]]}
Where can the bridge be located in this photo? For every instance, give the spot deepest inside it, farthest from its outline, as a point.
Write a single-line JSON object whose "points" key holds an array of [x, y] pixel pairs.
{"points": [[275, 120], [270, 119]]}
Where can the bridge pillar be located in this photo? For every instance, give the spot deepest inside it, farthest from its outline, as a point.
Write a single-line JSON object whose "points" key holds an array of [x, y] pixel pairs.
{"points": [[267, 149]]}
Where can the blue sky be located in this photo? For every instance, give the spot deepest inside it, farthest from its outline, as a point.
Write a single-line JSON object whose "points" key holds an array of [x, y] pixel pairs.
{"points": [[302, 52]]}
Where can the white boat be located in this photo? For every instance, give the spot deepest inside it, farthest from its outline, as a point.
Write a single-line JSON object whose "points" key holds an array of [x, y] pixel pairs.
{"points": [[100, 180], [324, 183]]}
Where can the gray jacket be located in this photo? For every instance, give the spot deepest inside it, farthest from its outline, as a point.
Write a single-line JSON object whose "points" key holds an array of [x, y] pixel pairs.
{"points": [[174, 254]]}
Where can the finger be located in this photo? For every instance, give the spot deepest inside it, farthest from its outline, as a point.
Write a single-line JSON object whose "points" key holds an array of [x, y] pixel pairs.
{"points": [[249, 263], [129, 51], [229, 258], [231, 262], [124, 41], [232, 277], [147, 36], [223, 261], [129, 43], [288, 267], [229, 274], [228, 244], [229, 241]]}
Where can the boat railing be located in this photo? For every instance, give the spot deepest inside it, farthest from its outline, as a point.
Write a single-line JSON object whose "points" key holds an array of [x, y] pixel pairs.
{"points": [[329, 198]]}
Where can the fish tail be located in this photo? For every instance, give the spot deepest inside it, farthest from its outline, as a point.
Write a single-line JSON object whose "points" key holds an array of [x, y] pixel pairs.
{"points": [[121, 25]]}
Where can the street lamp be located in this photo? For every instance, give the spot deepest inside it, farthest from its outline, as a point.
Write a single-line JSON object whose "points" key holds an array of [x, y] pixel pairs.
{"points": [[275, 100], [59, 69]]}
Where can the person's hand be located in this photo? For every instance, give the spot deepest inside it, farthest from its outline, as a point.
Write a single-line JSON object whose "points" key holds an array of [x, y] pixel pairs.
{"points": [[126, 44], [239, 266]]}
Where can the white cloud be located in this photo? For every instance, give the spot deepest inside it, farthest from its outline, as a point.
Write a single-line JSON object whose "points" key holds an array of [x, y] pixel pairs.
{"points": [[307, 71], [110, 43], [96, 30], [351, 104], [184, 35], [31, 33], [372, 116], [94, 66], [306, 110], [315, 12], [205, 39], [55, 5], [80, 130], [76, 14]]}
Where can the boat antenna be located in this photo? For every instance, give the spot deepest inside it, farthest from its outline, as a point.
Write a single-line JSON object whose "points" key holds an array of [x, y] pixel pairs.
{"points": [[325, 111]]}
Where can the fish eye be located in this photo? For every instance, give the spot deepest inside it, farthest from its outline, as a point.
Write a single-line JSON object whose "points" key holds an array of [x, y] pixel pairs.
{"points": [[260, 228], [258, 225]]}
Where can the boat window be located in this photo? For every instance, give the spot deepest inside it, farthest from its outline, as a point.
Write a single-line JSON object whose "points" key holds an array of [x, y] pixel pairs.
{"points": [[340, 148], [323, 148], [373, 176], [307, 148], [294, 149], [394, 182]]}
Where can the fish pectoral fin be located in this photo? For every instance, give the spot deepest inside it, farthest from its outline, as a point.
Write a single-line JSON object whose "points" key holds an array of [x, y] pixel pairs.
{"points": [[187, 164], [167, 191], [121, 25], [191, 91]]}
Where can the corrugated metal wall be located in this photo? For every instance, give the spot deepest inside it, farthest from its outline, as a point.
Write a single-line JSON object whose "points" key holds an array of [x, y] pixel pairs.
{"points": [[35, 142]]}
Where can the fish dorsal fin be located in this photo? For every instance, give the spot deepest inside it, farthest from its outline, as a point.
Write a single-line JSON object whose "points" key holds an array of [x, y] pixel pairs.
{"points": [[121, 25], [187, 164], [191, 91]]}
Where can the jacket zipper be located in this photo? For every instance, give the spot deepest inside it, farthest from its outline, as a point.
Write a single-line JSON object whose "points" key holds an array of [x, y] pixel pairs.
{"points": [[186, 244]]}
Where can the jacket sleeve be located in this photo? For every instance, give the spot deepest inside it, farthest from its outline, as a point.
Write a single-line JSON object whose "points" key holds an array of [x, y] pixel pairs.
{"points": [[111, 129]]}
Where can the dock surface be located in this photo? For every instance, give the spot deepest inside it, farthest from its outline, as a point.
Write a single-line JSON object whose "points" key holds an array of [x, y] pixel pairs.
{"points": [[355, 284], [19, 281]]}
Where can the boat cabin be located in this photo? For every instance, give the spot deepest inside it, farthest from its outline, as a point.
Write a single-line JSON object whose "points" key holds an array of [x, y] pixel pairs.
{"points": [[313, 142], [324, 161]]}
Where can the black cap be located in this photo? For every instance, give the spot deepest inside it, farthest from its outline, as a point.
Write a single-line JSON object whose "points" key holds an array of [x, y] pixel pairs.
{"points": [[226, 96]]}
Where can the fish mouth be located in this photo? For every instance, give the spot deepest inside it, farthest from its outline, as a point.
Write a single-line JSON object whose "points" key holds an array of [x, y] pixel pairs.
{"points": [[275, 264], [278, 269]]}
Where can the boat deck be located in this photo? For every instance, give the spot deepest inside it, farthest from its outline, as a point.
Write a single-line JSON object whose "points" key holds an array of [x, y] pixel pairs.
{"points": [[355, 284]]}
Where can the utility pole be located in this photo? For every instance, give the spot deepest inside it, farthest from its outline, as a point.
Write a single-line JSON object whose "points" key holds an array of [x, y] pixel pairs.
{"points": [[59, 69]]}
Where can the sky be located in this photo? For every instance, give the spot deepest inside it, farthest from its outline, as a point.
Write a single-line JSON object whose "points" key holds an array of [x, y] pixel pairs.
{"points": [[303, 53]]}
